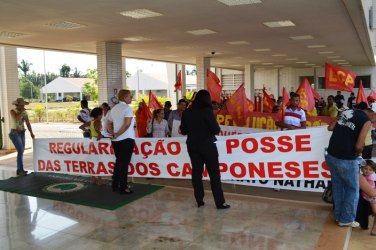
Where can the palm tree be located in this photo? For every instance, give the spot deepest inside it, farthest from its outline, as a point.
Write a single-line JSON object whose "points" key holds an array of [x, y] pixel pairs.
{"points": [[24, 66], [64, 70]]}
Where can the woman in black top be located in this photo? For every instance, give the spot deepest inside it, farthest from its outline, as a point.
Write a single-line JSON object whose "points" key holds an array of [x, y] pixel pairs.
{"points": [[198, 122]]}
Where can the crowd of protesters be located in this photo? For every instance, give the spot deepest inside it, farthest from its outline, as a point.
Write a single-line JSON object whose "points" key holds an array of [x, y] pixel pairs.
{"points": [[352, 129]]}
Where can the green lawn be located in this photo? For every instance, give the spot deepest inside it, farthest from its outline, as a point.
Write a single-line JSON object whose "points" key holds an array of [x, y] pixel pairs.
{"points": [[60, 105], [58, 111]]}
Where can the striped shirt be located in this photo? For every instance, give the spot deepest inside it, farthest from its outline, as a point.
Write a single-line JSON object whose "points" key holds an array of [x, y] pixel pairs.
{"points": [[294, 117]]}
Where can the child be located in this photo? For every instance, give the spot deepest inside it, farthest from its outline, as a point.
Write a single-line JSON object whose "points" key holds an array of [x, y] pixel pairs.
{"points": [[368, 170], [95, 127]]}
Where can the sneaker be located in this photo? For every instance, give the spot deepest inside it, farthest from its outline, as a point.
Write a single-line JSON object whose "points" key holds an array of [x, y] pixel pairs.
{"points": [[350, 224]]}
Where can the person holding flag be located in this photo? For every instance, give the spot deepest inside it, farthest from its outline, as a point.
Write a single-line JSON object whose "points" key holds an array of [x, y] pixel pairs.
{"points": [[294, 117]]}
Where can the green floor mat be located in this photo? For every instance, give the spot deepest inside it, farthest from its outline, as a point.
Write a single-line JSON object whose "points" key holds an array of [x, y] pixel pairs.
{"points": [[74, 189]]}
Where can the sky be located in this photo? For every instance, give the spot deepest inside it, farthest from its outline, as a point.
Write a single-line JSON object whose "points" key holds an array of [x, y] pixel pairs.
{"points": [[55, 59]]}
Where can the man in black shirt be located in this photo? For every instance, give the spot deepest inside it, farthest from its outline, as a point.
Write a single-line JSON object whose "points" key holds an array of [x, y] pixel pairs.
{"points": [[351, 100], [339, 97], [345, 146]]}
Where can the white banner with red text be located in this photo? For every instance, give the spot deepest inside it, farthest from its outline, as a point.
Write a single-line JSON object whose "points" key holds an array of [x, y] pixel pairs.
{"points": [[277, 155], [297, 185]]}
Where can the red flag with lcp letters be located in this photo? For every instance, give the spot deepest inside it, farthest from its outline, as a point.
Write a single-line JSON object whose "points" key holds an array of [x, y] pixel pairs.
{"points": [[339, 78]]}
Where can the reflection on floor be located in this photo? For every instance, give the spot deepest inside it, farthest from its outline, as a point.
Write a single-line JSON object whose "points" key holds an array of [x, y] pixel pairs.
{"points": [[166, 219]]}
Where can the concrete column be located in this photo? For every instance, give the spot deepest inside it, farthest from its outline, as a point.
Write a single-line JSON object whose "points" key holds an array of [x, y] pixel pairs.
{"points": [[249, 81], [9, 89], [110, 70], [124, 68], [316, 79], [202, 64]]}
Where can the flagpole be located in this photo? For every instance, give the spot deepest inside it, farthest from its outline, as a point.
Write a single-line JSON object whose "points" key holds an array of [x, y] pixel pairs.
{"points": [[138, 83], [45, 83], [176, 92]]}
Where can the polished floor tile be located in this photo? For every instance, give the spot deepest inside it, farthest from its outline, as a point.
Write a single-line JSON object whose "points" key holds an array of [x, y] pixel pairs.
{"points": [[166, 219]]}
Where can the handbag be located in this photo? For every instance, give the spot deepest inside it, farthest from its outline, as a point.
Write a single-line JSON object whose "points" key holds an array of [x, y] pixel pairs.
{"points": [[327, 195], [150, 135]]}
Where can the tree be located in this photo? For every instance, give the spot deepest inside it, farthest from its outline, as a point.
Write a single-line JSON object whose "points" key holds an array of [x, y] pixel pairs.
{"points": [[65, 70], [38, 79], [91, 88], [28, 90], [76, 73], [127, 74], [24, 67]]}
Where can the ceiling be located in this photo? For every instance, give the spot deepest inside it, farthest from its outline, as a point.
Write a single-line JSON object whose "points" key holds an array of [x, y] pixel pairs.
{"points": [[339, 25]]}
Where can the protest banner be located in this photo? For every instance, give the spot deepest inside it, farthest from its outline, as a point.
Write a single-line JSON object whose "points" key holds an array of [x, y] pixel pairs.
{"points": [[267, 120], [277, 155]]}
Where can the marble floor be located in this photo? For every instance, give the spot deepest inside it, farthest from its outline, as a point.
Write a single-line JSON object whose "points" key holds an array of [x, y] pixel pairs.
{"points": [[166, 219]]}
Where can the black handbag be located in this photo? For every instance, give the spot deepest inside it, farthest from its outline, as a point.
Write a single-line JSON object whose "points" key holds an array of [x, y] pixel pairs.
{"points": [[150, 135], [327, 195]]}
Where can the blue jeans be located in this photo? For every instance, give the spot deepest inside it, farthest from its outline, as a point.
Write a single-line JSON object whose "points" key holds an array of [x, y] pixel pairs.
{"points": [[345, 181], [18, 139]]}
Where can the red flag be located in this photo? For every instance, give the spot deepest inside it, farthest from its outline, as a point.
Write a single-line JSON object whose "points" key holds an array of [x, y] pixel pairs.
{"points": [[178, 83], [267, 102], [153, 101], [307, 101], [338, 78], [315, 94], [284, 104], [361, 97], [237, 106], [372, 96], [250, 105], [213, 86], [142, 115], [285, 97]]}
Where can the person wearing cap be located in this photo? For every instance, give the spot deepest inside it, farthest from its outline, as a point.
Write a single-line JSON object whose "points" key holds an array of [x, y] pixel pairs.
{"points": [[17, 132]]}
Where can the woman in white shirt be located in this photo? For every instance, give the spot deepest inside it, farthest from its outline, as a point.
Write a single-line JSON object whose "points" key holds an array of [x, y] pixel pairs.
{"points": [[158, 126]]}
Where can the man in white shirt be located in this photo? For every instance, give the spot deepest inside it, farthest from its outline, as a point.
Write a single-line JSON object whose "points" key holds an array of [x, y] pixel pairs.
{"points": [[121, 125], [294, 117]]}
